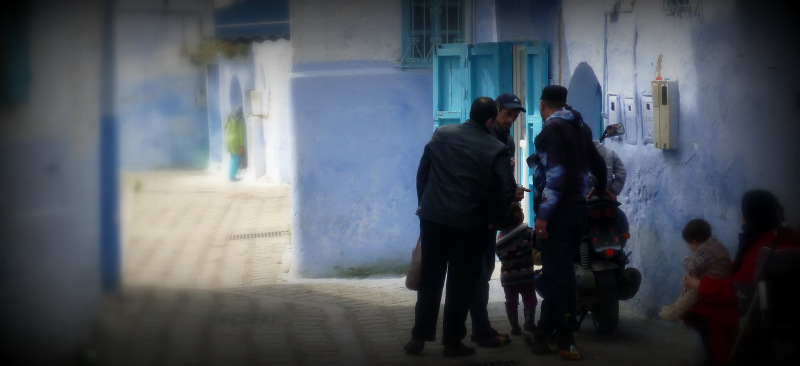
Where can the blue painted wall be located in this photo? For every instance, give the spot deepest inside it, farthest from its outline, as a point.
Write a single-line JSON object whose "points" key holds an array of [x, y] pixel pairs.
{"points": [[162, 116], [359, 130], [50, 206], [161, 125]]}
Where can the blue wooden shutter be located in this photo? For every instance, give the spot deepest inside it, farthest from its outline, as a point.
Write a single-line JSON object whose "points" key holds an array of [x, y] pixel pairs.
{"points": [[450, 104], [536, 74], [490, 70], [463, 72]]}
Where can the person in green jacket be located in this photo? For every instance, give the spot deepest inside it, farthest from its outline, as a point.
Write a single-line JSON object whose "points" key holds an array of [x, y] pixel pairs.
{"points": [[234, 140]]}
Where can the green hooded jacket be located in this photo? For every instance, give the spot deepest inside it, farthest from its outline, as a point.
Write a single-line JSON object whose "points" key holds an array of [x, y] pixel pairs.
{"points": [[234, 133]]}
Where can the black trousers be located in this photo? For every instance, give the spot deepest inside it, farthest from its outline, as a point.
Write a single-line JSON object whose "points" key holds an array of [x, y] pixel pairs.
{"points": [[565, 228], [456, 253]]}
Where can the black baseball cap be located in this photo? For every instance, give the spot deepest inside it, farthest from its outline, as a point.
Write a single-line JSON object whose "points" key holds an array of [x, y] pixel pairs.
{"points": [[555, 93], [510, 101]]}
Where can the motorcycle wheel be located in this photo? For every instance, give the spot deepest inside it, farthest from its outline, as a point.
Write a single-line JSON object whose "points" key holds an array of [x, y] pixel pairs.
{"points": [[606, 312]]}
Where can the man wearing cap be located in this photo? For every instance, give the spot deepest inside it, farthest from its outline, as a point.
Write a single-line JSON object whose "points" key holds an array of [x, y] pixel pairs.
{"points": [[565, 154], [464, 188], [509, 107]]}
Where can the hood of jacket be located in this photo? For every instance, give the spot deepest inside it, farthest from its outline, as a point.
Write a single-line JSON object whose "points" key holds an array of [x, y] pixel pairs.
{"points": [[568, 115]]}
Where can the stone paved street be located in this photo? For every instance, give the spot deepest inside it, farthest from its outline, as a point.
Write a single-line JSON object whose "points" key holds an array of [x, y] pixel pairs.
{"points": [[206, 282]]}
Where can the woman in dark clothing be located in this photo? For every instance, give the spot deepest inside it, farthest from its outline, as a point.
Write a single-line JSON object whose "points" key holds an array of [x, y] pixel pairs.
{"points": [[716, 314]]}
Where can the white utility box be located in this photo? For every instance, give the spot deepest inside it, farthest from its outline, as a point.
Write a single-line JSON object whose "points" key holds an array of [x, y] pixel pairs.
{"points": [[665, 114]]}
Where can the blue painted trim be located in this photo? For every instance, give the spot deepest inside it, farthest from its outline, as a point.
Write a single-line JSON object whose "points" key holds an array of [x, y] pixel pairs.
{"points": [[110, 267], [536, 71]]}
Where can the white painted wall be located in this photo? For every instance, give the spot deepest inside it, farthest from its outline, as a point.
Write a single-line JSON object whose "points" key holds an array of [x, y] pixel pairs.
{"points": [[273, 67], [735, 64], [50, 201]]}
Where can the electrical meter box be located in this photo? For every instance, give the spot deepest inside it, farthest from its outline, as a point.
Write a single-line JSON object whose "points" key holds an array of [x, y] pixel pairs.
{"points": [[631, 125], [665, 114], [613, 109], [647, 118], [256, 107]]}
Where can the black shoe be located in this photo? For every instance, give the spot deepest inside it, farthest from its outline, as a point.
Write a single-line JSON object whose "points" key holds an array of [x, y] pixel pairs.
{"points": [[493, 341], [498, 334], [458, 350], [541, 344], [414, 346]]}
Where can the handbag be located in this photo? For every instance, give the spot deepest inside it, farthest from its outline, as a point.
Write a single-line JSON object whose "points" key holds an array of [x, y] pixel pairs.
{"points": [[414, 275]]}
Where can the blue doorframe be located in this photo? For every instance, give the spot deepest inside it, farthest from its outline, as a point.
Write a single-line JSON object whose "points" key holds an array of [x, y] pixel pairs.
{"points": [[110, 252], [536, 76], [214, 114]]}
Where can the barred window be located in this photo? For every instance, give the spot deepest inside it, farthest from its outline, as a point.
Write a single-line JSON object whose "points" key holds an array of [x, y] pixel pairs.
{"points": [[427, 23]]}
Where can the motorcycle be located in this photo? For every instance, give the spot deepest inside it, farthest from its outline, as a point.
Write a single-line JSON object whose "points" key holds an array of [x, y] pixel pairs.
{"points": [[602, 279]]}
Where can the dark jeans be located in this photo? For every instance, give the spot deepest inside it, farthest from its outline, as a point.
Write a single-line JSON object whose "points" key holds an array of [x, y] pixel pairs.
{"points": [[457, 253], [480, 299], [565, 228]]}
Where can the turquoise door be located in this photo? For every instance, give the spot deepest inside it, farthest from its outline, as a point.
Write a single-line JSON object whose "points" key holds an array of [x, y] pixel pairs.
{"points": [[463, 72]]}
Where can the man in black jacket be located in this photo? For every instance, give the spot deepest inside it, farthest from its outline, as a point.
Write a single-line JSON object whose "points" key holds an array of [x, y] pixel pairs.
{"points": [[464, 186], [509, 106], [565, 154]]}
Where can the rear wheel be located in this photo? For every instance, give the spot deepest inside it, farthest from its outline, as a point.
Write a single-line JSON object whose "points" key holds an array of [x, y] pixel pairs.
{"points": [[605, 314]]}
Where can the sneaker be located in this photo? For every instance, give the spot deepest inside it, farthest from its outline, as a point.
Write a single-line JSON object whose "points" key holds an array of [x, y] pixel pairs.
{"points": [[571, 353], [414, 346], [491, 332], [458, 350]]}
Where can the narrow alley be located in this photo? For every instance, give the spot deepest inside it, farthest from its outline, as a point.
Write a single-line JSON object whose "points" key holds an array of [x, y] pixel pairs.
{"points": [[206, 281]]}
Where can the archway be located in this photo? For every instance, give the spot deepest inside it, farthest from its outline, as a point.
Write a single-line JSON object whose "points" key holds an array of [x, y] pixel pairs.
{"points": [[586, 96]]}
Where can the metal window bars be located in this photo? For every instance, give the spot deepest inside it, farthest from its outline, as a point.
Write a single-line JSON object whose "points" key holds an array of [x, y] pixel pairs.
{"points": [[427, 24]]}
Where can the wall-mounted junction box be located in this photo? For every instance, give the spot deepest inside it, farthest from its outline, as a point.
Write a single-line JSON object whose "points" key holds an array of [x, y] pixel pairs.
{"points": [[665, 113]]}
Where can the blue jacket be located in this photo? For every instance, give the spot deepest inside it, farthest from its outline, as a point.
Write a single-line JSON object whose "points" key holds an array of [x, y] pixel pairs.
{"points": [[565, 154]]}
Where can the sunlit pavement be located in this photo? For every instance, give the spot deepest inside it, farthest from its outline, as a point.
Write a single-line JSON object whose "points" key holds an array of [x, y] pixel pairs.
{"points": [[206, 281]]}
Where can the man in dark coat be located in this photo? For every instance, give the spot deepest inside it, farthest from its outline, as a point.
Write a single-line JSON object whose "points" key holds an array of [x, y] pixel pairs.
{"points": [[565, 154], [464, 186]]}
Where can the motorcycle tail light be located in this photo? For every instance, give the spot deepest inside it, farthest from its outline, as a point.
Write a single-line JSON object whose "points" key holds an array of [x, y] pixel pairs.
{"points": [[610, 212], [595, 213], [609, 252]]}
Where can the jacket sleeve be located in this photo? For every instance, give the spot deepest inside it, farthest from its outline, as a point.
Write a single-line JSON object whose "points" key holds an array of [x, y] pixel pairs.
{"points": [[423, 172], [547, 143], [699, 262], [506, 187], [619, 175]]}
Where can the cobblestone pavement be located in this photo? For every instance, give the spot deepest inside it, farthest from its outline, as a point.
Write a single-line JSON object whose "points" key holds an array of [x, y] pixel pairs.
{"points": [[206, 282]]}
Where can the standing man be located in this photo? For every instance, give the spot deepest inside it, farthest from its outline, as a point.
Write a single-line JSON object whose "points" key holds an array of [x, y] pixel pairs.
{"points": [[509, 107], [234, 140], [464, 187], [565, 154]]}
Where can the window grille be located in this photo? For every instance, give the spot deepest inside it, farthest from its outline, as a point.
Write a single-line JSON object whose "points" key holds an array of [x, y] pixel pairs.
{"points": [[427, 23]]}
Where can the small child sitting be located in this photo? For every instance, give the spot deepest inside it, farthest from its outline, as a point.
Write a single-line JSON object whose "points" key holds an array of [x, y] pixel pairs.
{"points": [[710, 258], [515, 248]]}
